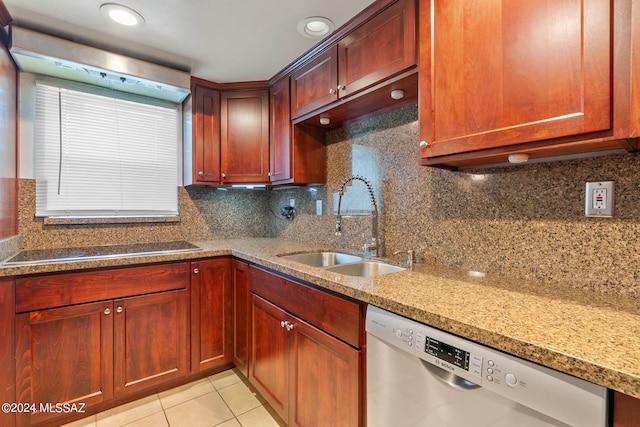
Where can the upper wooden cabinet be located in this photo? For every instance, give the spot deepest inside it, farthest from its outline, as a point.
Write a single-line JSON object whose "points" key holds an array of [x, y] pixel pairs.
{"points": [[298, 153], [244, 129], [381, 47], [206, 135], [226, 133], [539, 78]]}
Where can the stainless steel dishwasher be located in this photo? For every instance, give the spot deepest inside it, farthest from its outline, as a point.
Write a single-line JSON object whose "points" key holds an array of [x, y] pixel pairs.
{"points": [[422, 376]]}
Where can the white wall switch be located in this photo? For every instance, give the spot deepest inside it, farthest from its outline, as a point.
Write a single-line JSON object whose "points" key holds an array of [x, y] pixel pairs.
{"points": [[318, 207], [599, 199]]}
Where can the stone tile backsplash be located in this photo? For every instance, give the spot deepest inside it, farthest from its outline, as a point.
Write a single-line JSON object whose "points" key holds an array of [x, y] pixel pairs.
{"points": [[523, 221]]}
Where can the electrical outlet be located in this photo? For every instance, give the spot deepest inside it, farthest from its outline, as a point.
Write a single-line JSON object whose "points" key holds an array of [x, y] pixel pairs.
{"points": [[318, 207], [292, 203], [599, 199]]}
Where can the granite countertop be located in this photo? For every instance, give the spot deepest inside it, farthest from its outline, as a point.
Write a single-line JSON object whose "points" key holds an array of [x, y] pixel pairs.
{"points": [[588, 335]]}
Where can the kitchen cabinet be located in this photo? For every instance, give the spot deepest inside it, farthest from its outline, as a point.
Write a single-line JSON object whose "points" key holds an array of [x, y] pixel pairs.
{"points": [[7, 353], [8, 137], [211, 313], [241, 314], [306, 356], [545, 79], [89, 337], [226, 133], [384, 45], [245, 136], [626, 410], [206, 135], [297, 153]]}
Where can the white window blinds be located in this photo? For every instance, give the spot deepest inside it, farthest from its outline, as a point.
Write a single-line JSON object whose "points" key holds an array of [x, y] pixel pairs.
{"points": [[99, 156]]}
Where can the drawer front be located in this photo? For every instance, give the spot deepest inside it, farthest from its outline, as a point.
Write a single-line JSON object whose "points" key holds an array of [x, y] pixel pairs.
{"points": [[58, 290], [335, 315]]}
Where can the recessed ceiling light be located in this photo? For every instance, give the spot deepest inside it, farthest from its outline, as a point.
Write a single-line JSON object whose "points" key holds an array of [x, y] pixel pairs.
{"points": [[122, 15], [315, 27]]}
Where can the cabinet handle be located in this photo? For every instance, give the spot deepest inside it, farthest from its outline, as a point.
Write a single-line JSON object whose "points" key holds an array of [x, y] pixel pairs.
{"points": [[201, 173], [424, 144], [107, 311], [119, 310], [286, 324], [196, 270]]}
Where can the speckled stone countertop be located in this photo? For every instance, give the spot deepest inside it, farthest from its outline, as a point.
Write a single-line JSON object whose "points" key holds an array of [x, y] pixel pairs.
{"points": [[582, 333]]}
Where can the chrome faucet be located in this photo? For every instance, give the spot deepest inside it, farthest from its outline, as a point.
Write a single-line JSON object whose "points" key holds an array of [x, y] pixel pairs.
{"points": [[374, 244], [411, 257]]}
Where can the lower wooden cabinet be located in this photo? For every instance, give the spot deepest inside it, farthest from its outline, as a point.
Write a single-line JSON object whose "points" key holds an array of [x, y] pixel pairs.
{"points": [[241, 307], [90, 353], [150, 340], [309, 376], [91, 338], [7, 348], [626, 410], [211, 313]]}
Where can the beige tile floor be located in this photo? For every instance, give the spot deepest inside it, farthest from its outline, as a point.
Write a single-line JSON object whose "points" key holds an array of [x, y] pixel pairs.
{"points": [[221, 400]]}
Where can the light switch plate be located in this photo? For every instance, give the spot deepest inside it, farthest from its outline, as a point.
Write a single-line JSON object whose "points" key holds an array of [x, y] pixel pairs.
{"points": [[599, 199]]}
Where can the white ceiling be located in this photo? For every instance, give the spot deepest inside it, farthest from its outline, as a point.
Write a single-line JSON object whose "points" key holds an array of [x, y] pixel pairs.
{"points": [[218, 40]]}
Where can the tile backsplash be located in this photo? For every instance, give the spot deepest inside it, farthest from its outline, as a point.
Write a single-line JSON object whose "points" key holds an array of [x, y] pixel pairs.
{"points": [[522, 221]]}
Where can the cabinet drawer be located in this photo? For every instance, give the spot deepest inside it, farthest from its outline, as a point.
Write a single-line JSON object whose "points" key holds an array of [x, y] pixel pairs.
{"points": [[57, 290], [335, 315]]}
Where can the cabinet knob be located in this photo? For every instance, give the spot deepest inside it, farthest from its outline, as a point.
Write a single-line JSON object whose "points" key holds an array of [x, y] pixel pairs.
{"points": [[196, 270], [332, 91], [224, 175], [119, 310], [342, 87], [107, 311], [424, 144], [286, 324], [201, 173]]}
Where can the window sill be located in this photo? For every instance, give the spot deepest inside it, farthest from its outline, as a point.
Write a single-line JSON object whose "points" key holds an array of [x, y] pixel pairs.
{"points": [[98, 221]]}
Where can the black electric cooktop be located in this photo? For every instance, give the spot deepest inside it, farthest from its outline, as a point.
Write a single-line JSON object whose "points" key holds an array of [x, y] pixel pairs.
{"points": [[41, 256]]}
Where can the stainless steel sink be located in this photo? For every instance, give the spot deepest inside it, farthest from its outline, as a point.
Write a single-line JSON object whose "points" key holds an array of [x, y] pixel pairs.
{"points": [[322, 259], [365, 268]]}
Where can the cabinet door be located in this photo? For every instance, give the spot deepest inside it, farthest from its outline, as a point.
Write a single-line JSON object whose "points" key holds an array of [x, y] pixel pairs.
{"points": [[64, 355], [241, 314], [206, 135], [210, 314], [270, 351], [325, 375], [315, 84], [626, 410], [7, 349], [496, 73], [245, 136], [385, 45], [280, 143], [150, 338]]}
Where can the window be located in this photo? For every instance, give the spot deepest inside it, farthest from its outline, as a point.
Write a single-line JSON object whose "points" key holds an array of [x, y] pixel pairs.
{"points": [[100, 156]]}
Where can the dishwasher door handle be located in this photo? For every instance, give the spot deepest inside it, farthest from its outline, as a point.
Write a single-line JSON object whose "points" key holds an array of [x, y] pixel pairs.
{"points": [[449, 378]]}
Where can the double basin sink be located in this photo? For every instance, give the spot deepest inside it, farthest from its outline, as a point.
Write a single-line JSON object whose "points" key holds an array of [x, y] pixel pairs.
{"points": [[338, 262]]}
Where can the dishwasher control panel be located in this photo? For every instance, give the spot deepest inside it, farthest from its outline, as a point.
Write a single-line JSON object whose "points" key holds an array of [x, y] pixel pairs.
{"points": [[532, 385]]}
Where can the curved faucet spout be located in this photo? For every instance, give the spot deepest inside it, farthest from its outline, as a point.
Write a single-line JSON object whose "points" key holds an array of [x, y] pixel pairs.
{"points": [[374, 246]]}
